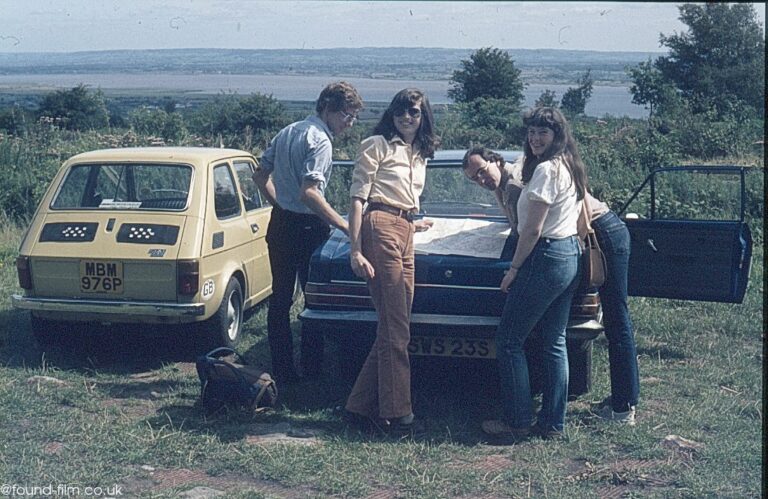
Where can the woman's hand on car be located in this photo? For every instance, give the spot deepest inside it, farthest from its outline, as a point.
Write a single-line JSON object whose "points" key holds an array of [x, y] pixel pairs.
{"points": [[422, 225], [361, 266]]}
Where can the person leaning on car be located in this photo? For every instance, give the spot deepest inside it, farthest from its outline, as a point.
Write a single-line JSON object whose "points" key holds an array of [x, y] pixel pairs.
{"points": [[293, 174], [390, 171], [490, 171]]}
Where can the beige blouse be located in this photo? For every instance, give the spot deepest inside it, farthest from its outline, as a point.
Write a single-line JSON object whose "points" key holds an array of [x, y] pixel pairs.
{"points": [[389, 172], [508, 191]]}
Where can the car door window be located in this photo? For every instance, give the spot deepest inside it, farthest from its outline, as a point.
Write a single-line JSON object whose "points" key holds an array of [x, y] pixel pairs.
{"points": [[225, 198], [690, 195], [250, 192], [689, 237]]}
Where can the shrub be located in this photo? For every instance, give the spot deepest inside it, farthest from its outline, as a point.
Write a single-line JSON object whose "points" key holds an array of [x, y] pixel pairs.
{"points": [[158, 122], [75, 109], [237, 121]]}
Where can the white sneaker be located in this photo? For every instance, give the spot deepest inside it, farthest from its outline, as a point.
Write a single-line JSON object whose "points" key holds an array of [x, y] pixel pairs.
{"points": [[627, 417]]}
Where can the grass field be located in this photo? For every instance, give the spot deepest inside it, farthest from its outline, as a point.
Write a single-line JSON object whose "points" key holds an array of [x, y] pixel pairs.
{"points": [[117, 411]]}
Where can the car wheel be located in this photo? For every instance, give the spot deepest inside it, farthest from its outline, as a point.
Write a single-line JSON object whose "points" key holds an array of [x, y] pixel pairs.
{"points": [[225, 327], [579, 368]]}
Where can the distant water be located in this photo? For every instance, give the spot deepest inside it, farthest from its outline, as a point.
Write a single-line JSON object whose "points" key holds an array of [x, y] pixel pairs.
{"points": [[615, 101]]}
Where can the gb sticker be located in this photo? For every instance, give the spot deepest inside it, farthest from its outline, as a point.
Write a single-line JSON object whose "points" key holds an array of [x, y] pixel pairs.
{"points": [[208, 289]]}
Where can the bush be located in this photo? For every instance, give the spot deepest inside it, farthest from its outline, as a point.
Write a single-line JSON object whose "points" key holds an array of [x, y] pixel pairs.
{"points": [[75, 109], [236, 121], [14, 120], [157, 122]]}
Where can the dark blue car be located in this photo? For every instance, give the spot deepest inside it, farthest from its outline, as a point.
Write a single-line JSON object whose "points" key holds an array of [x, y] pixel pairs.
{"points": [[457, 300]]}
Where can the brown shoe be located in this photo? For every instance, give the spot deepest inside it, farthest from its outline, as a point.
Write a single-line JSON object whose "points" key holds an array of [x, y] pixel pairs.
{"points": [[394, 428]]}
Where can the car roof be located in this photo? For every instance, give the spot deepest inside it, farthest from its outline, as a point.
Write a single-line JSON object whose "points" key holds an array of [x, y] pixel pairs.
{"points": [[175, 154]]}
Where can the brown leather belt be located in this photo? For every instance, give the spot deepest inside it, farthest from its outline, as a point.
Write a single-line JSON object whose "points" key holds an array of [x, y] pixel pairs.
{"points": [[391, 210]]}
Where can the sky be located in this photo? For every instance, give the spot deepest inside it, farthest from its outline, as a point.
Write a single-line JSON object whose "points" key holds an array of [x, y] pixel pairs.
{"points": [[80, 25]]}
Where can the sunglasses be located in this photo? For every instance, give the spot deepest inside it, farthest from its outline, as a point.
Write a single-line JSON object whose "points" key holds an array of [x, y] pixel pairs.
{"points": [[413, 112]]}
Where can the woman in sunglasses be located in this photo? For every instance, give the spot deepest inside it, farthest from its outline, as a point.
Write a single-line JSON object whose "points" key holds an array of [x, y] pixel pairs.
{"points": [[388, 178]]}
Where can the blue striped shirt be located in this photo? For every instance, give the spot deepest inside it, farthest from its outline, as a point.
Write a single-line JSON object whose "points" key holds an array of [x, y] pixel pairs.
{"points": [[301, 151]]}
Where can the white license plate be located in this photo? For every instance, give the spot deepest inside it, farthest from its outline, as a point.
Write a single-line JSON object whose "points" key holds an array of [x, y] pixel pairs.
{"points": [[452, 347], [97, 276]]}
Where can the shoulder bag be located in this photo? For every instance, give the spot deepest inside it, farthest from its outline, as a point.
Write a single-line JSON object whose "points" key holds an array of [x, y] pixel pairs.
{"points": [[233, 384]]}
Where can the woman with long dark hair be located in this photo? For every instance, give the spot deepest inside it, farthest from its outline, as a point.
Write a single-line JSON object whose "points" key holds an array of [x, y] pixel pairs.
{"points": [[542, 277], [388, 178]]}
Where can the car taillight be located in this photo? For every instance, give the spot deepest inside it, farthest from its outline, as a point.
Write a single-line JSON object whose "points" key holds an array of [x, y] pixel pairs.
{"points": [[353, 295], [586, 305], [188, 277], [24, 271]]}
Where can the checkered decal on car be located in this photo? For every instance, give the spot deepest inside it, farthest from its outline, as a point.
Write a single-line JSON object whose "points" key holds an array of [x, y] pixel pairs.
{"points": [[148, 234], [71, 232]]}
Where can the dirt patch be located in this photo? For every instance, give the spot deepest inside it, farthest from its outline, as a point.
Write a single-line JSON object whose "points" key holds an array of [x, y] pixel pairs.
{"points": [[383, 494], [53, 448], [494, 463], [130, 408], [150, 479], [622, 477], [264, 433], [146, 386]]}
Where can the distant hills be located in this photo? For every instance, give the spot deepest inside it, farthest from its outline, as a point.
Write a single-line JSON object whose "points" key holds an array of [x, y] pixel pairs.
{"points": [[546, 65]]}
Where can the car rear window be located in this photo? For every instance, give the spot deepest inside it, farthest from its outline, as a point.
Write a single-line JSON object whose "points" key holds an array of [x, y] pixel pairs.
{"points": [[152, 186], [447, 191]]}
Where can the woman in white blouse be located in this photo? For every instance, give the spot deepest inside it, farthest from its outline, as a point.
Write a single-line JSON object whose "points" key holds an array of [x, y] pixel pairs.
{"points": [[542, 277]]}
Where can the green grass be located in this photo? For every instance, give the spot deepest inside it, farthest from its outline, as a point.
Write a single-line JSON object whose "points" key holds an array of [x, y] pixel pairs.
{"points": [[126, 416]]}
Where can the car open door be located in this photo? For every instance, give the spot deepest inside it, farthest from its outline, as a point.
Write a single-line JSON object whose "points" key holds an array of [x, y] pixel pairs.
{"points": [[689, 237]]}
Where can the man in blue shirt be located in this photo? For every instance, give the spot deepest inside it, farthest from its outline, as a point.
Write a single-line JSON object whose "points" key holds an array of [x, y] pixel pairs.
{"points": [[293, 174]]}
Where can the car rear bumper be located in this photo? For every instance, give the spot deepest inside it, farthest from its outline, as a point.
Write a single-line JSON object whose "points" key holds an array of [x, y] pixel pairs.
{"points": [[349, 321], [107, 308]]}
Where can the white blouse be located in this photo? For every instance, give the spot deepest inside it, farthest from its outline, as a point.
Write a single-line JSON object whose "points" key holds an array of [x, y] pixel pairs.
{"points": [[552, 184]]}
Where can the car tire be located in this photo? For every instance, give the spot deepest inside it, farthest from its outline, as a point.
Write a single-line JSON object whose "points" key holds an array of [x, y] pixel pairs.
{"points": [[225, 327], [579, 368]]}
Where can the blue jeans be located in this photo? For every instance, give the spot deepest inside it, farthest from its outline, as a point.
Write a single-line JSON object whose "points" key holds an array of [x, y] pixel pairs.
{"points": [[539, 299], [613, 237]]}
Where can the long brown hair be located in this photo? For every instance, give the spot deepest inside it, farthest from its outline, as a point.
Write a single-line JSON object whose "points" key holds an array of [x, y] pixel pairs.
{"points": [[563, 146], [426, 140]]}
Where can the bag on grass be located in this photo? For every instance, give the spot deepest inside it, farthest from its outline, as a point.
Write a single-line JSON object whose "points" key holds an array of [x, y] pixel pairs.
{"points": [[592, 257], [233, 384]]}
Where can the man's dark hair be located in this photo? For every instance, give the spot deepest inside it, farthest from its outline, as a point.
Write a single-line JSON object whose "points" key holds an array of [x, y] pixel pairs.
{"points": [[484, 153]]}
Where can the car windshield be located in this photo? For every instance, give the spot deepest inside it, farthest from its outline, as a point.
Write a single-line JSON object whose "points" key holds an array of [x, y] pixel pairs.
{"points": [[125, 187]]}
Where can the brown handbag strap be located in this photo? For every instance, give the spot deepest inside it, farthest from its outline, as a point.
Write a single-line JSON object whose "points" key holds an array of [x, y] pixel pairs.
{"points": [[585, 225]]}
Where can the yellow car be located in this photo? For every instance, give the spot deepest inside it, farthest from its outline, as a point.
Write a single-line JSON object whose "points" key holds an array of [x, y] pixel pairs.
{"points": [[156, 235]]}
